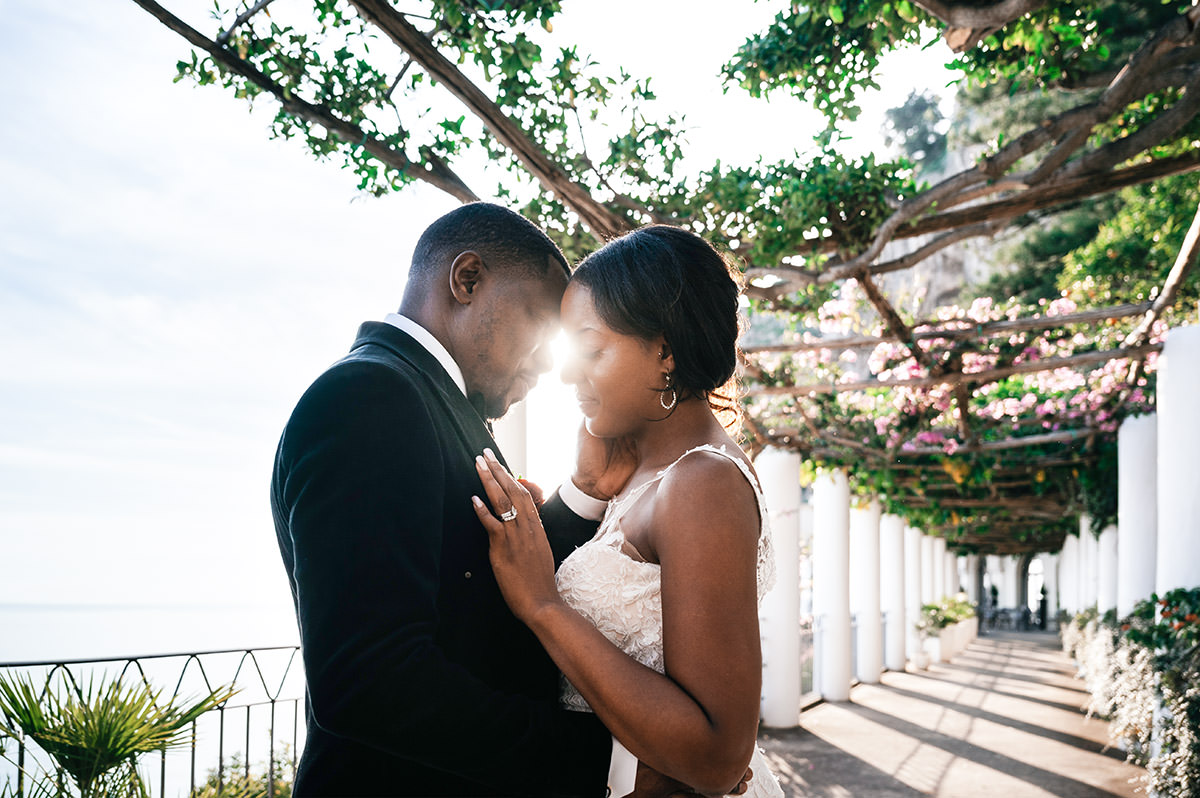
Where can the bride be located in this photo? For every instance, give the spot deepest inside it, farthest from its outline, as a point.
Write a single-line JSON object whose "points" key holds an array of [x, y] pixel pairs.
{"points": [[654, 622]]}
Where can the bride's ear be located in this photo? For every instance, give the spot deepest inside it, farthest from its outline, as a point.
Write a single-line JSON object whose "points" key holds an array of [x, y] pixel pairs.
{"points": [[665, 357]]}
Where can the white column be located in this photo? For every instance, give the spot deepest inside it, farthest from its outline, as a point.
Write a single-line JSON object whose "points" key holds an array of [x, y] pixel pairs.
{"points": [[1012, 582], [779, 474], [891, 589], [831, 582], [1178, 559], [1050, 575], [864, 590], [939, 568], [1137, 510], [511, 434], [1106, 548], [970, 569], [912, 590], [926, 569], [1089, 564], [952, 584], [1068, 573], [991, 567]]}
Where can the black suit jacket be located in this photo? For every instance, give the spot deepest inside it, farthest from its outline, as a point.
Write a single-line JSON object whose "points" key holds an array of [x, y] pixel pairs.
{"points": [[419, 679]]}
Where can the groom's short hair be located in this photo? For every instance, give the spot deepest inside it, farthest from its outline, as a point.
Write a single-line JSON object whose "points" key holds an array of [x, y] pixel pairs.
{"points": [[501, 237]]}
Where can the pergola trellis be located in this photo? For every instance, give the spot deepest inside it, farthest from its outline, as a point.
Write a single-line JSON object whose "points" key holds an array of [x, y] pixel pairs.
{"points": [[1064, 159], [995, 517]]}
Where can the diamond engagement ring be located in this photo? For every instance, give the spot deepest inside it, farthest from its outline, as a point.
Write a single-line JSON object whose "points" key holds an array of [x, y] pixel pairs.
{"points": [[511, 515]]}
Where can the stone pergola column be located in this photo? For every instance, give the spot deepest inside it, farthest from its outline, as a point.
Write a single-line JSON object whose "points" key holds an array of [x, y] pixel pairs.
{"points": [[991, 570], [1050, 575], [1089, 564], [864, 591], [971, 578], [1068, 575], [912, 591], [779, 474], [1137, 510], [831, 582], [1106, 550], [927, 596], [939, 568], [892, 573], [952, 581], [1178, 549], [1009, 582]]}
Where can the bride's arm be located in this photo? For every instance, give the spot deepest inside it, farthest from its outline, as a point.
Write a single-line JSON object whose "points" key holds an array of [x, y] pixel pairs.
{"points": [[696, 724]]}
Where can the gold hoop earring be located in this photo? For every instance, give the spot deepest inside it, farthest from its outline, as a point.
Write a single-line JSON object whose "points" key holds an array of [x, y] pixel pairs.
{"points": [[663, 393]]}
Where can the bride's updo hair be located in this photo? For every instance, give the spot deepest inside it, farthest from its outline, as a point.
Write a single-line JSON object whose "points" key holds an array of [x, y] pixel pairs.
{"points": [[663, 280]]}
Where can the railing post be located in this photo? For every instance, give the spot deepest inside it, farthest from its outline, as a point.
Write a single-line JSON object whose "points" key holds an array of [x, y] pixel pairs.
{"points": [[271, 755], [247, 745], [221, 751], [21, 766], [193, 774]]}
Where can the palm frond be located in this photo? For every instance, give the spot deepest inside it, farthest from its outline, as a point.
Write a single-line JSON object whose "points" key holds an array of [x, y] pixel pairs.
{"points": [[97, 735]]}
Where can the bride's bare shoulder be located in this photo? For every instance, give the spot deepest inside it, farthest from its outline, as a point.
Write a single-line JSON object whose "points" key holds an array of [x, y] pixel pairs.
{"points": [[707, 493]]}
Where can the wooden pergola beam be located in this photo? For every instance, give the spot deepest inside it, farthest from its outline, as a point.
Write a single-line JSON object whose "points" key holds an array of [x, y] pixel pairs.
{"points": [[967, 331], [953, 378]]}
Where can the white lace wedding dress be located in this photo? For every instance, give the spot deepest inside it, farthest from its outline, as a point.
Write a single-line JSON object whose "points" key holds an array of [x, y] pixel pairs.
{"points": [[622, 597]]}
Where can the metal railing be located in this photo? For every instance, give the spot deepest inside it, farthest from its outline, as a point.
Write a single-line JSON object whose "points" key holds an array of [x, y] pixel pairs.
{"points": [[269, 682]]}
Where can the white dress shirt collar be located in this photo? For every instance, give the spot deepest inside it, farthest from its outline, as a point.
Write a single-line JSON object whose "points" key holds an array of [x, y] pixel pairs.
{"points": [[431, 344]]}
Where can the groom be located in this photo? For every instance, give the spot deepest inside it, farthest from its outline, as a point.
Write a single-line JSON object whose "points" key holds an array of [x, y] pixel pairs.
{"points": [[419, 679]]}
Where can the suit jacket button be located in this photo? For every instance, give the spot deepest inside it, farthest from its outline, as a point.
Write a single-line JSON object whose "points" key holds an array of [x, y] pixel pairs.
{"points": [[467, 575]]}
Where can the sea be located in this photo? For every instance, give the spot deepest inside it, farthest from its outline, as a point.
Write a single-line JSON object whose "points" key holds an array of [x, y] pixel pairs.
{"points": [[60, 632]]}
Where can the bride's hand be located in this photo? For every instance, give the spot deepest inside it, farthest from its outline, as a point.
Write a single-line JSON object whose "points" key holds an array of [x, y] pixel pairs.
{"points": [[518, 548], [603, 465]]}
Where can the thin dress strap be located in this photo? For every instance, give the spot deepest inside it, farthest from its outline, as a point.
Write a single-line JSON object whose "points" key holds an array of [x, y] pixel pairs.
{"points": [[766, 554]]}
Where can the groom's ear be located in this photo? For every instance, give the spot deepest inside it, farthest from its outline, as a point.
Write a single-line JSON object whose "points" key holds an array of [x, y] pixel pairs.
{"points": [[466, 272]]}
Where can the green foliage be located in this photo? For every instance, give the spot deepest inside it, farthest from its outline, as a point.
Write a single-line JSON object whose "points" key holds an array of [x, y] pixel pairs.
{"points": [[1134, 250], [916, 130], [96, 735], [1038, 257], [1169, 625], [1063, 42], [947, 612], [1155, 658], [826, 52], [232, 781]]}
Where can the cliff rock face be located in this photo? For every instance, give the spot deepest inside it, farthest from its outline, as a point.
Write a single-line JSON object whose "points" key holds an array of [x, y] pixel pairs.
{"points": [[944, 277]]}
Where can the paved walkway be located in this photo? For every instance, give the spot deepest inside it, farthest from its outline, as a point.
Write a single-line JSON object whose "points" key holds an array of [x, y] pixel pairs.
{"points": [[1002, 719]]}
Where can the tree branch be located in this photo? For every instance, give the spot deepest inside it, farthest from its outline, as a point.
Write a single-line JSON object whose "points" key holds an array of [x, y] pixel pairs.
{"points": [[601, 221], [438, 174], [953, 378], [979, 15], [969, 330], [1189, 253], [892, 321], [223, 36]]}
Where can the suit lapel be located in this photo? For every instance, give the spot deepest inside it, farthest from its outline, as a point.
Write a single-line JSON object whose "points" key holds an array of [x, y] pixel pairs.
{"points": [[468, 419]]}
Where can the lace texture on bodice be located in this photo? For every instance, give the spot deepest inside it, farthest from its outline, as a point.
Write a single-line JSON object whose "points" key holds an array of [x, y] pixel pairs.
{"points": [[622, 596]]}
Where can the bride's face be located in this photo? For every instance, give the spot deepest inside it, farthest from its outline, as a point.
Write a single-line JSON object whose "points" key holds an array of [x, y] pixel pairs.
{"points": [[617, 377]]}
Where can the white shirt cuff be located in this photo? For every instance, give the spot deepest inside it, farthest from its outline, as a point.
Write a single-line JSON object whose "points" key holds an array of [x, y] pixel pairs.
{"points": [[622, 770], [582, 505]]}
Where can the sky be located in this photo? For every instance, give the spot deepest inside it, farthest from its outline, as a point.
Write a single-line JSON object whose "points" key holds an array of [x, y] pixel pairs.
{"points": [[171, 280]]}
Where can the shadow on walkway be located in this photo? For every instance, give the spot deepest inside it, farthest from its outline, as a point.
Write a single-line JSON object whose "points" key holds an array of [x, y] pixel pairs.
{"points": [[1003, 719]]}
